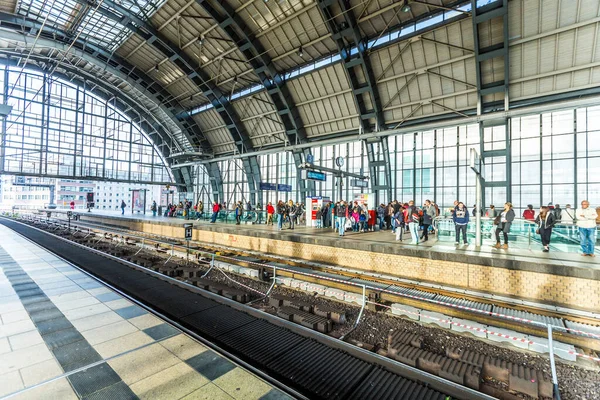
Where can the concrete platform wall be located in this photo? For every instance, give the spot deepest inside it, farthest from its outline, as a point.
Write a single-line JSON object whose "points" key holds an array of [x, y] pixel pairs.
{"points": [[562, 290]]}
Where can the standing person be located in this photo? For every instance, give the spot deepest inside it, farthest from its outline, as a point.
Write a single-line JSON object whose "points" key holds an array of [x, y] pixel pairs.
{"points": [[491, 212], [389, 216], [413, 220], [270, 212], [557, 213], [215, 212], [292, 209], [123, 205], [319, 218], [460, 216], [280, 213], [586, 221], [200, 209], [342, 213], [72, 205], [428, 216], [398, 220], [503, 222], [529, 214], [381, 216], [355, 219], [545, 221], [238, 213], [153, 208]]}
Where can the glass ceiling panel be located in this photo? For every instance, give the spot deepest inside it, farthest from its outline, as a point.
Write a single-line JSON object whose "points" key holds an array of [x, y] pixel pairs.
{"points": [[60, 13], [94, 27]]}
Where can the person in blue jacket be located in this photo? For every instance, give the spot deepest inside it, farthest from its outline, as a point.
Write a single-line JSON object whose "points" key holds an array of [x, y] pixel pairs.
{"points": [[460, 216]]}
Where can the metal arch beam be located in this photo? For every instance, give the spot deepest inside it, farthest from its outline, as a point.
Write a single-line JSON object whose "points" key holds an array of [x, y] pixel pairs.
{"points": [[104, 91], [238, 31], [274, 82], [96, 55], [216, 181], [152, 36], [219, 100], [346, 34]]}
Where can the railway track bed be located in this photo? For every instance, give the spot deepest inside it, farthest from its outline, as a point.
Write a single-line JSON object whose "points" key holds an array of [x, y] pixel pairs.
{"points": [[374, 330]]}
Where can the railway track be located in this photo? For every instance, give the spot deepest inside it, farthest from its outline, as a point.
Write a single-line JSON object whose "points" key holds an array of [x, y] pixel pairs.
{"points": [[303, 362], [574, 327], [451, 365]]}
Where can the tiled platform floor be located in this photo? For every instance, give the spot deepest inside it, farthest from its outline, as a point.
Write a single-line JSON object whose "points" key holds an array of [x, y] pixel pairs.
{"points": [[63, 336]]}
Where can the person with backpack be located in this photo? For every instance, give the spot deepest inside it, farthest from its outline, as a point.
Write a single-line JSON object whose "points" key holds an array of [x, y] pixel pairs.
{"points": [[545, 221], [460, 216], [280, 214], [153, 208], [413, 220], [429, 214], [238, 213], [123, 205]]}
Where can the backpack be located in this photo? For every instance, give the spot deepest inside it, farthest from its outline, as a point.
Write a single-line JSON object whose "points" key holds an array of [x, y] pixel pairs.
{"points": [[362, 218]]}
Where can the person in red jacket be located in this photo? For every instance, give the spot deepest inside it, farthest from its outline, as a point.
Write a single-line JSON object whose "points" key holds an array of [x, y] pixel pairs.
{"points": [[215, 213], [529, 214], [270, 212]]}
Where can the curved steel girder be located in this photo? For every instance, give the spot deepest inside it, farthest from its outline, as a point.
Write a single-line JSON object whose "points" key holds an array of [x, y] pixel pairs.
{"points": [[151, 35], [137, 78], [106, 92], [346, 33], [239, 32]]}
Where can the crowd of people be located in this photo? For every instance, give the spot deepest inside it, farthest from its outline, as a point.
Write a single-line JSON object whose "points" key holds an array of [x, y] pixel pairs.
{"points": [[408, 218]]}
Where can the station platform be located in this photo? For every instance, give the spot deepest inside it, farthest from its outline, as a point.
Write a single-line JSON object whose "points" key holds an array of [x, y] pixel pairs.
{"points": [[557, 278], [64, 335]]}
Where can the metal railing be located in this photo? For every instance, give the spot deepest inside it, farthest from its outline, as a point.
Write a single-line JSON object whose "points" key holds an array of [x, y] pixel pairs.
{"points": [[565, 237]]}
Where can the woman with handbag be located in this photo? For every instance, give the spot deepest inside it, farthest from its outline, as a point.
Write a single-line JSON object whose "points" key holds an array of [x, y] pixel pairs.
{"points": [[503, 222], [545, 222]]}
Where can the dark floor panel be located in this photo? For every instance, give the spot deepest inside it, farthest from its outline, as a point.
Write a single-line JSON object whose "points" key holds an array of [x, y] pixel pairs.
{"points": [[76, 355], [30, 293], [93, 379], [61, 338], [118, 391], [261, 341], [39, 306], [384, 385], [218, 320], [45, 315], [161, 331], [210, 364], [53, 325], [323, 372]]}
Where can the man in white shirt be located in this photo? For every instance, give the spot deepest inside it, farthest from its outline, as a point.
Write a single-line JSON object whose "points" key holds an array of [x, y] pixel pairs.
{"points": [[586, 221]]}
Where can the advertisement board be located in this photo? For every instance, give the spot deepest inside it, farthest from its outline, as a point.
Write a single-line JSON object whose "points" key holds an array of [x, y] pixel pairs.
{"points": [[138, 200]]}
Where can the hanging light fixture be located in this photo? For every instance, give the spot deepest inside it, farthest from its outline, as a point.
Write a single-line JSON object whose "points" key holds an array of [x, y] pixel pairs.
{"points": [[156, 67], [406, 7], [300, 52]]}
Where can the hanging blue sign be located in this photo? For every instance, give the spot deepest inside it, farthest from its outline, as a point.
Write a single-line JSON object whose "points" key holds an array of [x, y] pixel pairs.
{"points": [[310, 159], [284, 188], [268, 186]]}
